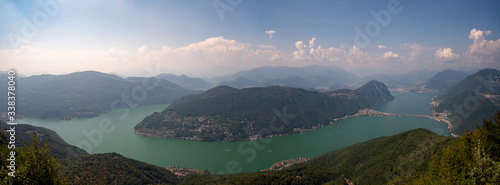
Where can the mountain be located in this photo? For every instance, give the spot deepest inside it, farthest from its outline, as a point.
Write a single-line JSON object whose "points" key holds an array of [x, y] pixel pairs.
{"points": [[309, 77], [441, 82], [417, 156], [185, 81], [410, 79], [87, 94], [470, 100], [385, 160], [76, 165], [228, 114], [58, 147], [112, 168]]}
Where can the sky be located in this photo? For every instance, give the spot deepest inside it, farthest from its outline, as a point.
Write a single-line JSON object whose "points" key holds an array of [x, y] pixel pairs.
{"points": [[206, 38]]}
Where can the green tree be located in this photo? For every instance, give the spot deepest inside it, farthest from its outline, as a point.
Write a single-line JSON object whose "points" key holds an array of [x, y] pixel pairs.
{"points": [[473, 159], [34, 165]]}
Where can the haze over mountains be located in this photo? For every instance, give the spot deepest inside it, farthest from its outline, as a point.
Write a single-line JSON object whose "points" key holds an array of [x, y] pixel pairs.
{"points": [[90, 93], [309, 77], [409, 79], [466, 103], [225, 113], [185, 81], [441, 82]]}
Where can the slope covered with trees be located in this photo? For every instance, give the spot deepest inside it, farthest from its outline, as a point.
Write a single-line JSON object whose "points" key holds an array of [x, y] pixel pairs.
{"points": [[33, 163], [227, 114], [43, 158], [473, 159], [385, 160], [466, 103], [414, 157], [441, 82], [112, 168], [58, 148]]}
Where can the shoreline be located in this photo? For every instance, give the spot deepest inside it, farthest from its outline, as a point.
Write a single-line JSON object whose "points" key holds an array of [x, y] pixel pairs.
{"points": [[361, 112]]}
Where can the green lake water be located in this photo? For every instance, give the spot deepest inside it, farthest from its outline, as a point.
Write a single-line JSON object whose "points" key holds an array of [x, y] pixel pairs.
{"points": [[407, 103], [231, 157]]}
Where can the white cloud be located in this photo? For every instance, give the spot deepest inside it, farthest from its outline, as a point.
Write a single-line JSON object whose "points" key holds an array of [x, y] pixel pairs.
{"points": [[445, 54], [416, 50], [482, 50], [311, 42], [481, 53], [271, 33], [218, 55], [331, 55], [205, 58], [390, 55]]}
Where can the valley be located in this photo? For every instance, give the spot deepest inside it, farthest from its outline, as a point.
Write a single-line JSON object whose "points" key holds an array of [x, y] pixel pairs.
{"points": [[234, 92], [214, 156], [340, 119]]}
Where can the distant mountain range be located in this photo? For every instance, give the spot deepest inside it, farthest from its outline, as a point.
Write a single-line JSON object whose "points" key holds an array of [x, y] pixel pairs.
{"points": [[186, 82], [441, 82], [308, 77], [228, 114], [87, 94], [466, 103], [410, 79]]}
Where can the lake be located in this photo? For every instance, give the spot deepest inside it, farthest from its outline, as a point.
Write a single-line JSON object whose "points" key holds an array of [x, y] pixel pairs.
{"points": [[407, 103], [245, 156]]}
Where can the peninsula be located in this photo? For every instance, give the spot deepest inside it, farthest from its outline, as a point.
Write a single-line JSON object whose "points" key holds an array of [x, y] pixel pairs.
{"points": [[228, 114]]}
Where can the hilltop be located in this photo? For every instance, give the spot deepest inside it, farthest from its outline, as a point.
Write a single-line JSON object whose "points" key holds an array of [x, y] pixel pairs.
{"points": [[384, 160], [87, 94], [228, 114], [470, 100], [441, 82], [307, 77]]}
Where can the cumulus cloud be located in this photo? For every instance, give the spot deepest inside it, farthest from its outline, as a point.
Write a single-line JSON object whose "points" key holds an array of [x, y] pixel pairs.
{"points": [[390, 55], [218, 55], [271, 33], [352, 57], [205, 58], [445, 54], [305, 52], [482, 50], [481, 53]]}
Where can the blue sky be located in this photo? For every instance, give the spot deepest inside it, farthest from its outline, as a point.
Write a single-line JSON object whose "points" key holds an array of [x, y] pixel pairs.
{"points": [[189, 37]]}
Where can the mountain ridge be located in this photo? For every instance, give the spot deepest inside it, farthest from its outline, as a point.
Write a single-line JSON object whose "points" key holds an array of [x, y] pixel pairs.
{"points": [[87, 94], [228, 114], [467, 102]]}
